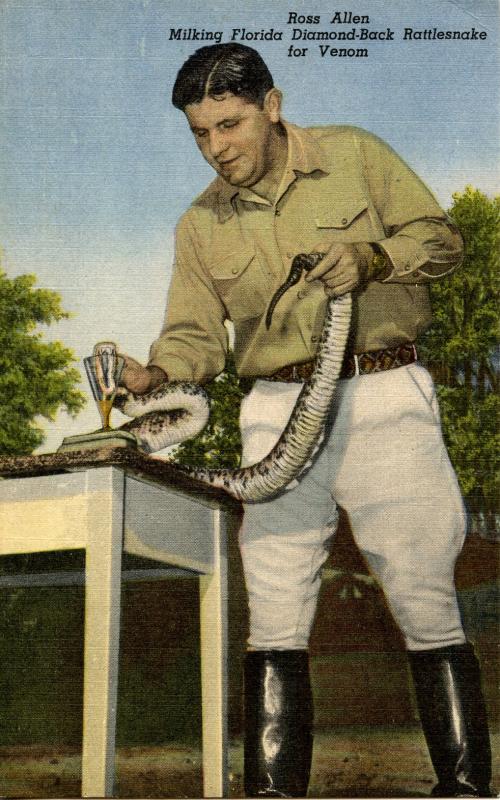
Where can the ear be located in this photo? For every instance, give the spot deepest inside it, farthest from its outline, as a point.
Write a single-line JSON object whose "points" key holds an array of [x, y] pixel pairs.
{"points": [[272, 104]]}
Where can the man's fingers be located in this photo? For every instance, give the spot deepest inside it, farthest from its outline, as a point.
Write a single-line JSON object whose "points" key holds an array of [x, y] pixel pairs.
{"points": [[335, 290], [325, 265], [340, 281]]}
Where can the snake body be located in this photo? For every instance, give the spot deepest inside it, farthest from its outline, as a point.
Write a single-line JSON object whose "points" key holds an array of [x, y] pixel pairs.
{"points": [[177, 411]]}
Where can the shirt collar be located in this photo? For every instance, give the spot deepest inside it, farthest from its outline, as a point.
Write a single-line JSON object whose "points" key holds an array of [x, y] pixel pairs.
{"points": [[305, 156], [304, 152]]}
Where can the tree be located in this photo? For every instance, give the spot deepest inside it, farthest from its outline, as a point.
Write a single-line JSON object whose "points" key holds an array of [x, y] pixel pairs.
{"points": [[36, 378], [461, 349]]}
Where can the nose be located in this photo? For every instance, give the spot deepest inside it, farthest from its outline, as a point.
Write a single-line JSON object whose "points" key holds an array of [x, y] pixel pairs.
{"points": [[217, 143]]}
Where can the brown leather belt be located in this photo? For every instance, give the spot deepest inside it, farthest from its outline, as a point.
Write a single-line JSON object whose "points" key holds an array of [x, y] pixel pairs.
{"points": [[353, 364]]}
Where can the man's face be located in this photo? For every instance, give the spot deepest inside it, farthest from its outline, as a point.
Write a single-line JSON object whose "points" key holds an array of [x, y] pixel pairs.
{"points": [[235, 136]]}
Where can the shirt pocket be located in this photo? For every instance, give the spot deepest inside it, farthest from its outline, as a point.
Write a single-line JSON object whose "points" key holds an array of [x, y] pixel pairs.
{"points": [[349, 222], [241, 283]]}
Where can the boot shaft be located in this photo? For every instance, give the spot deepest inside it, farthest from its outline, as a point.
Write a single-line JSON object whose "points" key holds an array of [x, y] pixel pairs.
{"points": [[278, 723], [453, 716]]}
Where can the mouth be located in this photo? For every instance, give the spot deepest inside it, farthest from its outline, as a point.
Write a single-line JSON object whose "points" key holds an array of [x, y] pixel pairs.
{"points": [[228, 163]]}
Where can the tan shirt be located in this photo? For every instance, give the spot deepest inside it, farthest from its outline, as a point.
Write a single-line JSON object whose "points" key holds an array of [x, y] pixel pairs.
{"points": [[233, 250]]}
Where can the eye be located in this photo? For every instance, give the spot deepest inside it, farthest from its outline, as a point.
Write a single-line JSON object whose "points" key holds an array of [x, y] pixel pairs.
{"points": [[199, 134], [232, 123]]}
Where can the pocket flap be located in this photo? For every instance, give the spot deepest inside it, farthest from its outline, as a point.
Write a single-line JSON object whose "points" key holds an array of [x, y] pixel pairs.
{"points": [[341, 216], [231, 265]]}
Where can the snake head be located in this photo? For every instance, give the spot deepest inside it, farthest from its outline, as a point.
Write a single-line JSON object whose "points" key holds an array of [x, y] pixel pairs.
{"points": [[303, 262]]}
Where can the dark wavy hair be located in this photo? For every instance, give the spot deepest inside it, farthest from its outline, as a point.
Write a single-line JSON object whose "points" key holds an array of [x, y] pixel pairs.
{"points": [[220, 68]]}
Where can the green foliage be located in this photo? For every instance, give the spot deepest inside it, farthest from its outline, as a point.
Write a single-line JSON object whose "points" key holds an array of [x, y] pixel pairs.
{"points": [[463, 337], [461, 351], [219, 444], [35, 376]]}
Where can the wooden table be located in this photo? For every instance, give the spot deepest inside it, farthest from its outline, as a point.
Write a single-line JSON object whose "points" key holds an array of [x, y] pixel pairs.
{"points": [[109, 502]]}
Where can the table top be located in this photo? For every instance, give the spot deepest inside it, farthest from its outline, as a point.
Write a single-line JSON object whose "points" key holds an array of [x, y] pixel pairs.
{"points": [[132, 461]]}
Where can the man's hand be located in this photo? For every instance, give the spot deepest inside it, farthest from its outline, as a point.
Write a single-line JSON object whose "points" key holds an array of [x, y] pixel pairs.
{"points": [[139, 379], [345, 267]]}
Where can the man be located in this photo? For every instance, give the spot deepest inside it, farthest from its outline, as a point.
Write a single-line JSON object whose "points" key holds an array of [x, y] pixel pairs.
{"points": [[282, 190]]}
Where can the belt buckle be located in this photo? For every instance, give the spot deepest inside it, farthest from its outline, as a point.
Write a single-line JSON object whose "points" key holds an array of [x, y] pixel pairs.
{"points": [[356, 364]]}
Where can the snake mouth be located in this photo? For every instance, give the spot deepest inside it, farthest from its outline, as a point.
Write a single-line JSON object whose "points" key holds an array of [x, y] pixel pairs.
{"points": [[302, 262]]}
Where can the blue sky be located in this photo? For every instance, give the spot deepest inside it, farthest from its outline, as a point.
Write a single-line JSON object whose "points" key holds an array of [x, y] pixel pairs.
{"points": [[96, 166]]}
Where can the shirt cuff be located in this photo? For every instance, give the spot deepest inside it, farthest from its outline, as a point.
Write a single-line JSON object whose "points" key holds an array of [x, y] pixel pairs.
{"points": [[406, 257]]}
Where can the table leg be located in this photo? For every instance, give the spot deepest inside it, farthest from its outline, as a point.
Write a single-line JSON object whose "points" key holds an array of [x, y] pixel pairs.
{"points": [[213, 623], [102, 624]]}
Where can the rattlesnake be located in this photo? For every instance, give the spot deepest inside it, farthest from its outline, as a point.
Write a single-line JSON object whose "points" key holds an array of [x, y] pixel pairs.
{"points": [[177, 411]]}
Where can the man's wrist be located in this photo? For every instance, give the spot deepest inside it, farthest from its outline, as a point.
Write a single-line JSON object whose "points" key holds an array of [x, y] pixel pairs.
{"points": [[379, 266], [157, 376]]}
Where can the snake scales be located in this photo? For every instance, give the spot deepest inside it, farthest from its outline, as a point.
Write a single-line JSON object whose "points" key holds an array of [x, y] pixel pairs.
{"points": [[177, 411]]}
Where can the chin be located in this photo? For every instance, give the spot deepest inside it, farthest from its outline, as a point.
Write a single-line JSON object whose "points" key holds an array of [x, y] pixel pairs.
{"points": [[243, 182], [239, 179]]}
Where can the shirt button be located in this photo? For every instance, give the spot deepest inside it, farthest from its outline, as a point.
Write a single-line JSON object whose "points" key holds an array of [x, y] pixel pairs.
{"points": [[314, 338], [277, 212], [235, 270], [300, 294], [344, 221]]}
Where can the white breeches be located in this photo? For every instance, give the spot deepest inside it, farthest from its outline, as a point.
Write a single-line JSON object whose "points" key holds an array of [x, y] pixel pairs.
{"points": [[385, 463]]}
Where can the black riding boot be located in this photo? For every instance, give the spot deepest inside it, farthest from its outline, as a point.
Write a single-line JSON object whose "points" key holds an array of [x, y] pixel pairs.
{"points": [[278, 723], [453, 716]]}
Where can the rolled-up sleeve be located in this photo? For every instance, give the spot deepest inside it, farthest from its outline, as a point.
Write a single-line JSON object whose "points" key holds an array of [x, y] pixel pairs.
{"points": [[422, 243], [193, 342]]}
